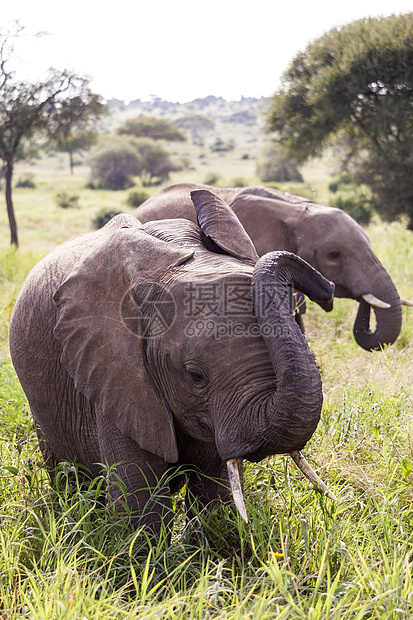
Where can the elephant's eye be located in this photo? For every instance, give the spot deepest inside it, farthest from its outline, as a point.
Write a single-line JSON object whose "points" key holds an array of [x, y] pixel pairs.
{"points": [[195, 376], [334, 255]]}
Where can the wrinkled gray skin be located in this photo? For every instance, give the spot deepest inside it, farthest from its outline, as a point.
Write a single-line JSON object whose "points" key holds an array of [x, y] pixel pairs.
{"points": [[108, 384], [327, 238]]}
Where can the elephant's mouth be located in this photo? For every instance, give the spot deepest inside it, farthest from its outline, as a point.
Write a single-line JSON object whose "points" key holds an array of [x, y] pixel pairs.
{"points": [[342, 291], [299, 460]]}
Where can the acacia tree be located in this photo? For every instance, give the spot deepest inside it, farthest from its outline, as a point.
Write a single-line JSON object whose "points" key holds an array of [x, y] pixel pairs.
{"points": [[119, 158], [73, 129], [28, 109], [151, 127], [356, 83], [197, 125]]}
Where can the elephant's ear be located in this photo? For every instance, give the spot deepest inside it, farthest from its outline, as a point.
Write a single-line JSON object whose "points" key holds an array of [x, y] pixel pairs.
{"points": [[218, 222], [101, 350]]}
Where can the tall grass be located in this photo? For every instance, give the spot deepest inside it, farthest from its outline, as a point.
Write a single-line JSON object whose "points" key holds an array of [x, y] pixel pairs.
{"points": [[64, 555]]}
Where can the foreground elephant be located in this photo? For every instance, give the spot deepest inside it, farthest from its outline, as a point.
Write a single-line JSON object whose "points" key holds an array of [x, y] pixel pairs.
{"points": [[167, 345], [327, 238]]}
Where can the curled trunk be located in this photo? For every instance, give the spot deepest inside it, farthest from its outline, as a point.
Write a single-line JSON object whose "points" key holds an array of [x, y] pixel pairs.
{"points": [[388, 320], [289, 416]]}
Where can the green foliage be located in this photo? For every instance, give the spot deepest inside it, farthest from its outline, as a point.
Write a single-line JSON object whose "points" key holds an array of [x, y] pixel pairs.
{"points": [[353, 199], [26, 182], [103, 216], [136, 198], [222, 146], [152, 127], [278, 165], [67, 201], [14, 267], [239, 182], [388, 174], [28, 110], [155, 162], [73, 129], [113, 164], [211, 178], [356, 81], [196, 125], [117, 159]]}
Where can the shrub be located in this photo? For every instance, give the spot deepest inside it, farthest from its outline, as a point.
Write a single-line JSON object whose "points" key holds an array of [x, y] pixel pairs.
{"points": [[26, 182], [155, 162], [67, 201], [211, 178], [354, 200], [103, 216], [152, 127], [239, 182], [343, 179], [136, 198], [277, 165], [220, 146], [114, 164]]}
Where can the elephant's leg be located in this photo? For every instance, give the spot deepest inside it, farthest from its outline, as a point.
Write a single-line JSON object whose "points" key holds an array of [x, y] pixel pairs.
{"points": [[147, 496], [208, 479]]}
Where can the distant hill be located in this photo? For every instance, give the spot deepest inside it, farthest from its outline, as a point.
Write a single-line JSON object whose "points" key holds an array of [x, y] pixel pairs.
{"points": [[225, 152], [248, 110]]}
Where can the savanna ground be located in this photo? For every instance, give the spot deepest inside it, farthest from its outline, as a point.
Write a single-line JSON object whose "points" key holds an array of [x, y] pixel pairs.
{"points": [[62, 555]]}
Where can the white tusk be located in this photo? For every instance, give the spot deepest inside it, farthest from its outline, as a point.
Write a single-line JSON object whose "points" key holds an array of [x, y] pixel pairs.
{"points": [[373, 301], [406, 302], [236, 487], [302, 464]]}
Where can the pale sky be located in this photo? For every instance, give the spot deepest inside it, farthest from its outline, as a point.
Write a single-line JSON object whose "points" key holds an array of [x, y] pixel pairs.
{"points": [[178, 49]]}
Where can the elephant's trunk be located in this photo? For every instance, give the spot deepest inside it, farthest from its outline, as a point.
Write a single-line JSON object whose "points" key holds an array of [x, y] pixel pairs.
{"points": [[290, 415], [388, 320], [287, 418]]}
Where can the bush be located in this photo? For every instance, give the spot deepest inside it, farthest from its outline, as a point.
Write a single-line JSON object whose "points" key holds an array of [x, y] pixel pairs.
{"points": [[277, 165], [136, 198], [67, 201], [26, 182], [211, 178], [152, 127], [220, 146], [354, 200], [343, 180], [103, 216], [238, 182], [114, 164], [155, 162]]}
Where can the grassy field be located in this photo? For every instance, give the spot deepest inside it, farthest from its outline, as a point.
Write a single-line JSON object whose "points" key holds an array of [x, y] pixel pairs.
{"points": [[62, 555]]}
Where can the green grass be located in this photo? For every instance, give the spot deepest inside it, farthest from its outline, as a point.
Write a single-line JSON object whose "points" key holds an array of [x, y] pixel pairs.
{"points": [[63, 555]]}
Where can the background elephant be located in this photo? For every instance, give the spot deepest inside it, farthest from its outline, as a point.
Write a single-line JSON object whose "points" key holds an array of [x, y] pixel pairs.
{"points": [[327, 238], [124, 342]]}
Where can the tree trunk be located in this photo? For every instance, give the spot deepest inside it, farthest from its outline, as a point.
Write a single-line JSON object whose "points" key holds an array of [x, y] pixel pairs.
{"points": [[71, 161], [10, 211]]}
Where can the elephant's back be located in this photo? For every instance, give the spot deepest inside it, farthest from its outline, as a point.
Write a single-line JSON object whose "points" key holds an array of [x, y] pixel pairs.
{"points": [[175, 201]]}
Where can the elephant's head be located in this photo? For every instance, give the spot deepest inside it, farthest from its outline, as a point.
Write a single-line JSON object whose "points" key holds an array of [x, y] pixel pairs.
{"points": [[334, 244], [337, 246]]}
